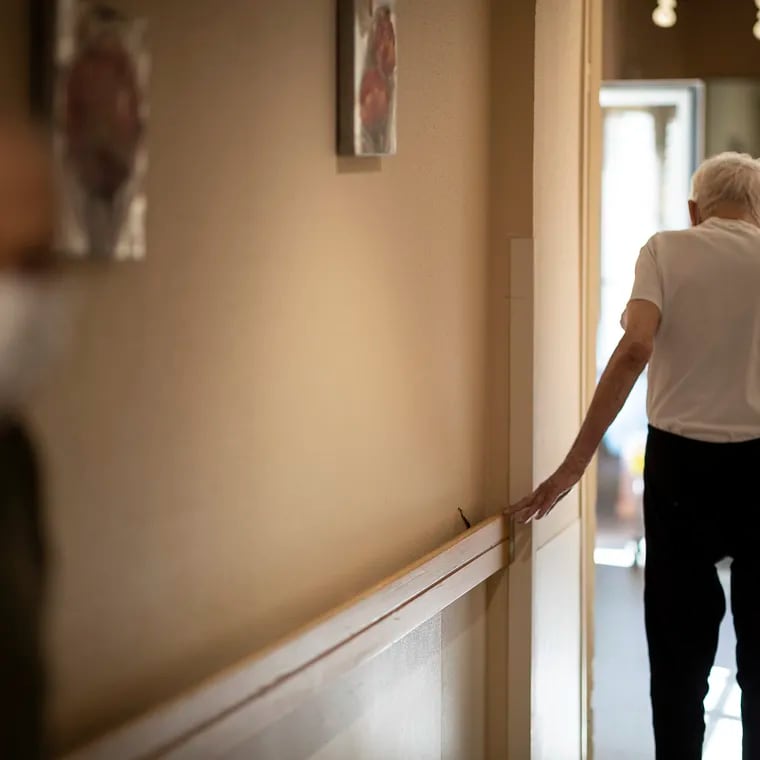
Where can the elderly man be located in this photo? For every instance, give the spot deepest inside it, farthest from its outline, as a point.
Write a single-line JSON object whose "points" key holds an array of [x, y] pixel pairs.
{"points": [[27, 333], [694, 317]]}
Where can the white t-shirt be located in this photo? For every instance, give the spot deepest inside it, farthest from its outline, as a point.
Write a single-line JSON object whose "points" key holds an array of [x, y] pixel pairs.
{"points": [[704, 374]]}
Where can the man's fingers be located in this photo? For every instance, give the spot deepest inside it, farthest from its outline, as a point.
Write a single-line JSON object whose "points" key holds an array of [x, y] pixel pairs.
{"points": [[539, 503], [521, 506], [531, 510], [545, 510], [522, 517], [549, 503], [524, 511], [552, 502]]}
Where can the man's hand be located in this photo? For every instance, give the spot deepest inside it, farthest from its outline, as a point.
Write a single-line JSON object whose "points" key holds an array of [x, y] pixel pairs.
{"points": [[546, 496]]}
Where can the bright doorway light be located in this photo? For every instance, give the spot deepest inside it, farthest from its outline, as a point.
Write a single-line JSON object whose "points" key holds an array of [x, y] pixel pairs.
{"points": [[718, 682], [725, 740], [625, 557]]}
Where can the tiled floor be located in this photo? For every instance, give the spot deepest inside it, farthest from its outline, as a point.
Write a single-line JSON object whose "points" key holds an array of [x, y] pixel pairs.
{"points": [[622, 729]]}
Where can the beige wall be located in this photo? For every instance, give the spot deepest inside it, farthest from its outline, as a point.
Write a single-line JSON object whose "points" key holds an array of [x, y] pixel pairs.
{"points": [[511, 224], [291, 396], [557, 255], [286, 401], [712, 38]]}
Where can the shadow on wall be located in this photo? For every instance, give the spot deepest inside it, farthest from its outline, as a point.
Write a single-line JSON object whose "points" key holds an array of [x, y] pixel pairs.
{"points": [[350, 165]]}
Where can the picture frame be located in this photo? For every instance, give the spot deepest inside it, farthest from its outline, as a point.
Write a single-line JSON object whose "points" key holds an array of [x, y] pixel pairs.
{"points": [[89, 75], [367, 78]]}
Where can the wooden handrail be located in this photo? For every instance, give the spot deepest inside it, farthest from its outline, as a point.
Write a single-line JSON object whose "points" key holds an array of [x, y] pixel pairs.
{"points": [[240, 702]]}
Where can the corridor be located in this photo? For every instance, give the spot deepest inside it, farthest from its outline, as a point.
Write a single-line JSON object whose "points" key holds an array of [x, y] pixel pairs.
{"points": [[338, 281]]}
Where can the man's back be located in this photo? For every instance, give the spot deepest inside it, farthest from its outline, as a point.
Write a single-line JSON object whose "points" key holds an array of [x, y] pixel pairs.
{"points": [[704, 374]]}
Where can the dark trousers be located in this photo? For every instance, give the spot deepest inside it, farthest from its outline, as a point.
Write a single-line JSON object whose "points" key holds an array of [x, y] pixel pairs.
{"points": [[22, 581], [701, 505]]}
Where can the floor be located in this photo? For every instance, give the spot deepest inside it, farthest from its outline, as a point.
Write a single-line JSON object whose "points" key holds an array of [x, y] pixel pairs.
{"points": [[622, 729]]}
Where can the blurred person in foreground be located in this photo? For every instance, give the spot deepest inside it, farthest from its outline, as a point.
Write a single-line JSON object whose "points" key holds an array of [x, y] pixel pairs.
{"points": [[28, 332], [694, 318]]}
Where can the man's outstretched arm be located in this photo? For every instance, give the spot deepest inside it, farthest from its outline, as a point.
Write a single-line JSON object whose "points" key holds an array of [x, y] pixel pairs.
{"points": [[642, 320]]}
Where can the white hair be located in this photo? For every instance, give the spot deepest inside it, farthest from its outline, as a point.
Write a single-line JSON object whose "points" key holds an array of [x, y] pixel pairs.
{"points": [[728, 178]]}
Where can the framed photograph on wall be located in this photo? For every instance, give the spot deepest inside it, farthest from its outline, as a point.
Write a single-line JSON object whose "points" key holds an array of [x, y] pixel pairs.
{"points": [[367, 77], [89, 73]]}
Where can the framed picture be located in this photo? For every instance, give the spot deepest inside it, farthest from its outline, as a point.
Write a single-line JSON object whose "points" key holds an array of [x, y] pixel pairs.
{"points": [[367, 77], [89, 74]]}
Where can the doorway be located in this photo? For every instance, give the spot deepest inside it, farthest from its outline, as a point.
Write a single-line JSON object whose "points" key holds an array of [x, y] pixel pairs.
{"points": [[652, 143]]}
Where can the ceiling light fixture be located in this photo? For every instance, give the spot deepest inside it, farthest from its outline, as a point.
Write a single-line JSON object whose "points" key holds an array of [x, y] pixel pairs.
{"points": [[756, 27], [664, 14]]}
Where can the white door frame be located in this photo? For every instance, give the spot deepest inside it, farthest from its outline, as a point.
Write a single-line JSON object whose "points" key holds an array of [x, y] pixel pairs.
{"points": [[591, 205]]}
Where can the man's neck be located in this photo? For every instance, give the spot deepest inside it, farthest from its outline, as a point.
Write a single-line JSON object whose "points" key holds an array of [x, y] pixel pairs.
{"points": [[734, 212]]}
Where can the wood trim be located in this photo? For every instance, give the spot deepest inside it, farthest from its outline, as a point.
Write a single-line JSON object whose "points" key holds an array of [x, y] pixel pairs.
{"points": [[590, 294], [242, 701]]}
